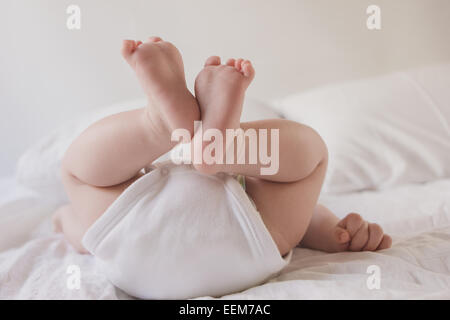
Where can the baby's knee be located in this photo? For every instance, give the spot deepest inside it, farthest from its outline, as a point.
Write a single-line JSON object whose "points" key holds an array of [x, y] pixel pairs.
{"points": [[311, 142]]}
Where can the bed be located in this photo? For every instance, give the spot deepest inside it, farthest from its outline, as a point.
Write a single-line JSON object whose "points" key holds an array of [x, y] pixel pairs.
{"points": [[34, 262], [397, 176]]}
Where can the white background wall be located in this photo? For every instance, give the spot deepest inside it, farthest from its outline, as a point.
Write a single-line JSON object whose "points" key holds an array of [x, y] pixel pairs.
{"points": [[49, 74]]}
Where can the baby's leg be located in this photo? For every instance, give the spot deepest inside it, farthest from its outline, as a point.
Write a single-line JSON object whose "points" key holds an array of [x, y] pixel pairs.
{"points": [[286, 201], [298, 152], [220, 91], [288, 204], [287, 198], [87, 204], [114, 149], [286, 208], [106, 158]]}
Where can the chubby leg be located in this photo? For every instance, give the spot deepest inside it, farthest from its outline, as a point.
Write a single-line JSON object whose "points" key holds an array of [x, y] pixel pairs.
{"points": [[292, 215], [299, 151], [286, 198], [220, 91], [106, 158], [287, 208], [87, 204], [114, 149]]}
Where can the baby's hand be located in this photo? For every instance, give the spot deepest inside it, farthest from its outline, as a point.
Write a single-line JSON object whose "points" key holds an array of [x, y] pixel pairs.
{"points": [[353, 233]]}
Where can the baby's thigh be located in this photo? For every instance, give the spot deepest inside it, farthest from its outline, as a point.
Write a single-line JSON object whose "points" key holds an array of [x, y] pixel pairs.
{"points": [[88, 202], [287, 208]]}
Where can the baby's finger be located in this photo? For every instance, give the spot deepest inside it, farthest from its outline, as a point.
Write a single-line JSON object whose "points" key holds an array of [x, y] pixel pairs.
{"points": [[359, 240], [341, 235], [385, 243], [375, 237], [352, 222]]}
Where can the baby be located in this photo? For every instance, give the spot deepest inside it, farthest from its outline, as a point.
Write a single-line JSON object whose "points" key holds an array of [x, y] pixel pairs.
{"points": [[108, 158]]}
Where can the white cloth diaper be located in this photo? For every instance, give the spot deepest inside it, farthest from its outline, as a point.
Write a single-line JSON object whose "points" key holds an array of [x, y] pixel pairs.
{"points": [[176, 233]]}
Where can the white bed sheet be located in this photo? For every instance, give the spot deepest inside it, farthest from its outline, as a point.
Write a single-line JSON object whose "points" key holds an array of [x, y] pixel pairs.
{"points": [[34, 261]]}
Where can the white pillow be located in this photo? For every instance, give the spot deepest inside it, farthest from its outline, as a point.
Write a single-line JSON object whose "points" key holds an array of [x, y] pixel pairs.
{"points": [[38, 168], [381, 131]]}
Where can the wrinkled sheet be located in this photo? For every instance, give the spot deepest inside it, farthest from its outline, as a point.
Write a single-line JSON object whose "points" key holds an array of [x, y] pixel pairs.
{"points": [[35, 262]]}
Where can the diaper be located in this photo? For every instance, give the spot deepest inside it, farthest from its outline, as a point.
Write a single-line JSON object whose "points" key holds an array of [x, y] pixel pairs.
{"points": [[176, 234]]}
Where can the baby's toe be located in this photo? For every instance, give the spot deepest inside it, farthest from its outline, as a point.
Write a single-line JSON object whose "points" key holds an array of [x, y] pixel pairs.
{"points": [[154, 39], [248, 70], [238, 64], [212, 61], [128, 47], [231, 62]]}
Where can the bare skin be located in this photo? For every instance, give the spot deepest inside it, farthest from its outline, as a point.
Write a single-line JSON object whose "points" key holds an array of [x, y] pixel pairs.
{"points": [[105, 159]]}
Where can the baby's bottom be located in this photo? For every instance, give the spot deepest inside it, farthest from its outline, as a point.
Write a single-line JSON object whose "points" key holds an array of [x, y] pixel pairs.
{"points": [[87, 204], [286, 207]]}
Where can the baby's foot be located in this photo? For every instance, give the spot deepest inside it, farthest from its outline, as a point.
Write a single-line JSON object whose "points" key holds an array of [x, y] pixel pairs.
{"points": [[353, 233], [159, 68], [220, 91]]}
